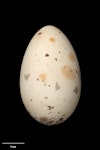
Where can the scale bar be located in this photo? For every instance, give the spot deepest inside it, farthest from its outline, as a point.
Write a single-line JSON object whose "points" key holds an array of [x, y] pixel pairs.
{"points": [[13, 143]]}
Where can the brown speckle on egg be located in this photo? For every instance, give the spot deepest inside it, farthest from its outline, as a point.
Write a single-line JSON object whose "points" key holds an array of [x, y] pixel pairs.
{"points": [[64, 115], [76, 71], [51, 121], [52, 39], [58, 112], [59, 52], [43, 119], [31, 100], [78, 74], [68, 72], [75, 90], [55, 59], [46, 97], [39, 33], [43, 77], [26, 76], [46, 55], [50, 107], [71, 56], [57, 87], [61, 119]]}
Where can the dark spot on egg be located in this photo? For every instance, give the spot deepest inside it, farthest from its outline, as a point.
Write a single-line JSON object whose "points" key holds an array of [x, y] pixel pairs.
{"points": [[55, 59], [61, 119], [75, 90], [51, 121], [46, 97], [58, 112], [48, 85], [39, 33], [26, 76], [76, 72], [50, 107], [64, 115], [43, 119], [31, 100], [59, 52], [57, 87], [46, 55]]}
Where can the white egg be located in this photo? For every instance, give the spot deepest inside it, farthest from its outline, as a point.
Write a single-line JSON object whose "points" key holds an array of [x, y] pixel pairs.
{"points": [[50, 82]]}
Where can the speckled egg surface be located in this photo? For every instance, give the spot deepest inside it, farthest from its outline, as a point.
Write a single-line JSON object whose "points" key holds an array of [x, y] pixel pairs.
{"points": [[50, 82]]}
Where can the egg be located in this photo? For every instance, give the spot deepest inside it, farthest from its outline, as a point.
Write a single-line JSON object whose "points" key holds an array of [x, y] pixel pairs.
{"points": [[50, 78]]}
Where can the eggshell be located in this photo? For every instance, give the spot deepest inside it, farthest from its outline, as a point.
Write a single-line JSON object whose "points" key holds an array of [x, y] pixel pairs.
{"points": [[50, 81]]}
